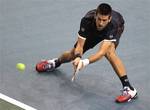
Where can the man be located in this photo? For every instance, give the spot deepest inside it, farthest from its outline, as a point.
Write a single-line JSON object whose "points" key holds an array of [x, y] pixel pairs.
{"points": [[102, 26]]}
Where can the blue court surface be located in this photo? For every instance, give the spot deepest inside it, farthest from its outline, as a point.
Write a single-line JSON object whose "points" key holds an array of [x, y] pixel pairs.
{"points": [[31, 30]]}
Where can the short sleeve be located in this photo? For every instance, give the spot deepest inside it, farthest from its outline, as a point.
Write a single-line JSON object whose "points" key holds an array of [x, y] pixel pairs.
{"points": [[111, 34], [84, 28]]}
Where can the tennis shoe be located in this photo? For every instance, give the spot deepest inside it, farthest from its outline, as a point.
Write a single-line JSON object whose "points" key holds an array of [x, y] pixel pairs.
{"points": [[127, 95], [46, 65]]}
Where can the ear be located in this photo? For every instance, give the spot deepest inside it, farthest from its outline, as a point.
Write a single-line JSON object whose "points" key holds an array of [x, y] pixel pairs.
{"points": [[110, 18]]}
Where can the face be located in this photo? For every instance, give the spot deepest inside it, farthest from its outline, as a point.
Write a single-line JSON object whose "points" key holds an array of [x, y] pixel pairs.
{"points": [[102, 21]]}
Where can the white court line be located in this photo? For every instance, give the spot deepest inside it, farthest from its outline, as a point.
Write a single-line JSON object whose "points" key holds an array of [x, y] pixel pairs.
{"points": [[15, 102]]}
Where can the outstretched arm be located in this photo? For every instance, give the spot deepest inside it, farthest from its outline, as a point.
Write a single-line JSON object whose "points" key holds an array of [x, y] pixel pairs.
{"points": [[79, 64], [79, 46], [104, 47], [78, 50]]}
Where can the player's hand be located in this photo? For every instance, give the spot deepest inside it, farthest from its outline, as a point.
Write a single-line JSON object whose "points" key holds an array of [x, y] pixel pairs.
{"points": [[76, 62], [80, 64]]}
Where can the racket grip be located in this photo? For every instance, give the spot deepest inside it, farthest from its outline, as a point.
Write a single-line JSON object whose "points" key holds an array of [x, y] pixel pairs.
{"points": [[76, 71]]}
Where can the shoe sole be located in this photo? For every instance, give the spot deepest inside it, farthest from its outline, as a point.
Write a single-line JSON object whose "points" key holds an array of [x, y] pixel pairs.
{"points": [[129, 100], [133, 98]]}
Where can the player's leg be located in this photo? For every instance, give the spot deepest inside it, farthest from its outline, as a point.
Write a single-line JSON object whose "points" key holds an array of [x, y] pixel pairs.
{"points": [[67, 56], [128, 91], [115, 61], [50, 65]]}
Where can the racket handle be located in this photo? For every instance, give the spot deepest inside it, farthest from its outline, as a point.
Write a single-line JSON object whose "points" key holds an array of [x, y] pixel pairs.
{"points": [[76, 71]]}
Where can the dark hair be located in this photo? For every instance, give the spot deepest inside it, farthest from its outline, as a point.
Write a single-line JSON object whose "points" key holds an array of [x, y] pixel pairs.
{"points": [[104, 9]]}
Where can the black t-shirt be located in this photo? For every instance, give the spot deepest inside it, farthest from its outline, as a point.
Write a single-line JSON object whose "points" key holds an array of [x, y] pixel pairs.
{"points": [[89, 31]]}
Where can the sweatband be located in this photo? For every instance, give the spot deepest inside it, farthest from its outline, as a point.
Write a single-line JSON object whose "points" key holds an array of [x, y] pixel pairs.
{"points": [[85, 62]]}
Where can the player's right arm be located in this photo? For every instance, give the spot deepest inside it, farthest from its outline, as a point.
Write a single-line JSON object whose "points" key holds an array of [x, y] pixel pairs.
{"points": [[82, 34], [78, 50], [79, 47]]}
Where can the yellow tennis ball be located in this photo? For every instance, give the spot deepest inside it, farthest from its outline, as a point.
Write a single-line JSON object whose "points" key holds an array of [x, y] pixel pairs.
{"points": [[21, 66]]}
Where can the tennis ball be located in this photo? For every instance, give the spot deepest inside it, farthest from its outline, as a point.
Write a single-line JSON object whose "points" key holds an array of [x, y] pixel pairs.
{"points": [[21, 66]]}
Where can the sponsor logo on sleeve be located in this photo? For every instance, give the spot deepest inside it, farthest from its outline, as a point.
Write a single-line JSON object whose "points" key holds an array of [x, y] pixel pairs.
{"points": [[111, 36], [82, 29]]}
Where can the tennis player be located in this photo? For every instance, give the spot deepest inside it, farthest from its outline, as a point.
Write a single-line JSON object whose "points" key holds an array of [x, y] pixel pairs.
{"points": [[104, 27]]}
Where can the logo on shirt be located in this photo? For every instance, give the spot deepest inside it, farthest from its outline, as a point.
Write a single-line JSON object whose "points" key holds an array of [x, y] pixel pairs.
{"points": [[111, 36], [82, 29]]}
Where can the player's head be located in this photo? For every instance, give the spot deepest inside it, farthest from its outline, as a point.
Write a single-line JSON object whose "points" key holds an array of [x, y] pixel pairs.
{"points": [[103, 15]]}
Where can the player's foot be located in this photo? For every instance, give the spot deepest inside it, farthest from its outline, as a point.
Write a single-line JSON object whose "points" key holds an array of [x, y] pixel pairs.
{"points": [[46, 65], [127, 95]]}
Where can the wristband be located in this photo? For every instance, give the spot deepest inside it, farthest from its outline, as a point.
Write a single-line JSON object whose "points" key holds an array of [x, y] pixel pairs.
{"points": [[85, 62]]}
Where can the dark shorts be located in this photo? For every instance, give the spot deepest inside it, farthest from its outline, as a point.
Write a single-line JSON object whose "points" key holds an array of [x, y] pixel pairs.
{"points": [[88, 45]]}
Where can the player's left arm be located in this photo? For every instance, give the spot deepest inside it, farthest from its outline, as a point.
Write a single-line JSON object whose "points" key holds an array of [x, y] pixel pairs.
{"points": [[103, 49]]}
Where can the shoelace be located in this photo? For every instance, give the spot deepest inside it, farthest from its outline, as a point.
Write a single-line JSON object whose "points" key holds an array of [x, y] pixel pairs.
{"points": [[125, 91], [47, 66]]}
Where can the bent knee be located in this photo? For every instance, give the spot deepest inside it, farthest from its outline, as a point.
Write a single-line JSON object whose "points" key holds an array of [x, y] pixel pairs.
{"points": [[110, 55]]}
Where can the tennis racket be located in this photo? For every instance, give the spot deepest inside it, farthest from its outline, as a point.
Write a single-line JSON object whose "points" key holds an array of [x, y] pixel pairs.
{"points": [[76, 71]]}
